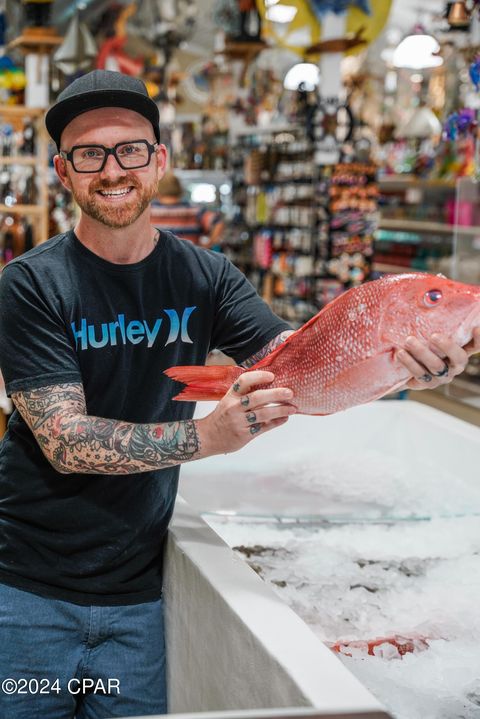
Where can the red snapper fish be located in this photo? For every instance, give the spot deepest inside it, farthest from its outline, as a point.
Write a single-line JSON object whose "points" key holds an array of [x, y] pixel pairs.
{"points": [[346, 354]]}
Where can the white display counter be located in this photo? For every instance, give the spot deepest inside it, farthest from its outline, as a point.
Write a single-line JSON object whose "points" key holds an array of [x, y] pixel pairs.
{"points": [[380, 463], [233, 644]]}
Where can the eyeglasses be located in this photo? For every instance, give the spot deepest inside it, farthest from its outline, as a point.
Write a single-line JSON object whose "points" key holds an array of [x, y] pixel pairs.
{"points": [[93, 158]]}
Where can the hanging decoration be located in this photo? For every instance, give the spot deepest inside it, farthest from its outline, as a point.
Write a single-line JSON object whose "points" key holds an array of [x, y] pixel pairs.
{"points": [[474, 72], [227, 17], [460, 123], [239, 19], [112, 55], [331, 120], [460, 13], [462, 127], [301, 32], [338, 7], [370, 24], [338, 44], [197, 80], [464, 122], [78, 49], [12, 82], [305, 30]]}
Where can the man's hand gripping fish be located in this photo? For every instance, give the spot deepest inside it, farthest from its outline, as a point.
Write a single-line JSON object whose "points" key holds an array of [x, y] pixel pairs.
{"points": [[346, 354]]}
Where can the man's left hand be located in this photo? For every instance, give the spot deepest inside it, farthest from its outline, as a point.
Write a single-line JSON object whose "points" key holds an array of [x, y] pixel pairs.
{"points": [[428, 363]]}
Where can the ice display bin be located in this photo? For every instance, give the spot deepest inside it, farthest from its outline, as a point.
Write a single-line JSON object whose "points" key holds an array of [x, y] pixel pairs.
{"points": [[330, 460], [340, 453], [233, 644]]}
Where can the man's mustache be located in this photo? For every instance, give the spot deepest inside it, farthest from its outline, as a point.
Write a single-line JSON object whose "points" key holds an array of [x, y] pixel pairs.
{"points": [[130, 181]]}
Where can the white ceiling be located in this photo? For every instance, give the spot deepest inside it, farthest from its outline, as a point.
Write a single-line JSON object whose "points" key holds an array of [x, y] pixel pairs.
{"points": [[405, 13]]}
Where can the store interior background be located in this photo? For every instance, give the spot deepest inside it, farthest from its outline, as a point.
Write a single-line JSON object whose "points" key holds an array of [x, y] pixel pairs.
{"points": [[323, 186], [364, 522]]}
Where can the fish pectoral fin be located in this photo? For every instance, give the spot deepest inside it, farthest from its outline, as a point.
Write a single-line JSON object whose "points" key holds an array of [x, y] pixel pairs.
{"points": [[371, 378]]}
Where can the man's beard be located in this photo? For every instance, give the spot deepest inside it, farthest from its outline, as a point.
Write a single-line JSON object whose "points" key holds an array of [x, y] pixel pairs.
{"points": [[123, 214]]}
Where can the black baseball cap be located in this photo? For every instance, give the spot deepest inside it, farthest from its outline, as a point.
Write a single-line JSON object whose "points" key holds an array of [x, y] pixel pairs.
{"points": [[100, 88]]}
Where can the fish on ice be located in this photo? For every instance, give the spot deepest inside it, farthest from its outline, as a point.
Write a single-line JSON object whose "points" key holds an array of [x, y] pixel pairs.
{"points": [[381, 646], [346, 354]]}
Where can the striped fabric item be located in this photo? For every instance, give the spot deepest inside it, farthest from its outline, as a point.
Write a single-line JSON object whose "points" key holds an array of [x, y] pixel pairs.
{"points": [[189, 222]]}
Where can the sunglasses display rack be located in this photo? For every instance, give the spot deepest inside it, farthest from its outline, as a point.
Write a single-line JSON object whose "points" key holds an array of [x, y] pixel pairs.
{"points": [[24, 205]]}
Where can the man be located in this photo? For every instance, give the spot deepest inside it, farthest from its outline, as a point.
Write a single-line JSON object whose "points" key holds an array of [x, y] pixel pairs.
{"points": [[89, 465], [171, 213]]}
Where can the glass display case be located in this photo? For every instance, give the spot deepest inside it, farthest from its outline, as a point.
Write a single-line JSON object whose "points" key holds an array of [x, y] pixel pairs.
{"points": [[465, 267]]}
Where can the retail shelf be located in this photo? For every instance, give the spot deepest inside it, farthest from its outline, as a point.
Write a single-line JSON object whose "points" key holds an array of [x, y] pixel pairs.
{"points": [[397, 269], [278, 181], [19, 160], [21, 111], [22, 209], [426, 226], [393, 182], [275, 226], [215, 177], [268, 130]]}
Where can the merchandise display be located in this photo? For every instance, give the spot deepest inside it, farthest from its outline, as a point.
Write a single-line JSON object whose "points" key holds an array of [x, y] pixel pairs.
{"points": [[24, 207], [326, 160]]}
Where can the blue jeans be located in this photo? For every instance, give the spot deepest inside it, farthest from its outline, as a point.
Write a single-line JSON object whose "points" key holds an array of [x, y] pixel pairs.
{"points": [[60, 660]]}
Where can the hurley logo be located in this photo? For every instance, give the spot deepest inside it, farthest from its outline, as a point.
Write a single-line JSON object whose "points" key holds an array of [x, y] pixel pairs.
{"points": [[119, 332]]}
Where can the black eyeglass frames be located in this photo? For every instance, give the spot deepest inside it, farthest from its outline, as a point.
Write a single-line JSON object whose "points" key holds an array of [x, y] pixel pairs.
{"points": [[93, 158]]}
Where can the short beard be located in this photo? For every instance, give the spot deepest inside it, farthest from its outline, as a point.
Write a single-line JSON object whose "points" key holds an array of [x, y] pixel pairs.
{"points": [[116, 217]]}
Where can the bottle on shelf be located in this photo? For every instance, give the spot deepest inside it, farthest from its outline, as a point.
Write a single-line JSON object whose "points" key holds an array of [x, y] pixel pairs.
{"points": [[29, 138]]}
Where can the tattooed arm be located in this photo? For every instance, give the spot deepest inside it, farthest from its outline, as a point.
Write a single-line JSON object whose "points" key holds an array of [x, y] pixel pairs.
{"points": [[73, 441], [269, 347]]}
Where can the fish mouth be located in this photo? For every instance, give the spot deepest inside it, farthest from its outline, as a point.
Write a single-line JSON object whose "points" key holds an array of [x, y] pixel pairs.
{"points": [[464, 334]]}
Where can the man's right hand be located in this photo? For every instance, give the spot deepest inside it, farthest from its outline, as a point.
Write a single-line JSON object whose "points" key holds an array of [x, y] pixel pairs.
{"points": [[244, 413]]}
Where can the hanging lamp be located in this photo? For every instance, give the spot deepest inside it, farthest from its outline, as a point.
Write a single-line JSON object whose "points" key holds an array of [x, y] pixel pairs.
{"points": [[78, 49], [458, 15], [417, 51]]}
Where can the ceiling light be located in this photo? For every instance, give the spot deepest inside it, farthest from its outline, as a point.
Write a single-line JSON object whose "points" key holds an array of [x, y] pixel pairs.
{"points": [[203, 192], [303, 72], [416, 52], [281, 13]]}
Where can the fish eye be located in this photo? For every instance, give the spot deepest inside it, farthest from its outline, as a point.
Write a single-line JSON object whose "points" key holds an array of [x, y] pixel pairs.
{"points": [[432, 298]]}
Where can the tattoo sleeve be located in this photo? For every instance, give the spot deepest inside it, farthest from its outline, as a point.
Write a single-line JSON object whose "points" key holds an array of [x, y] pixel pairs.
{"points": [[273, 344], [74, 441]]}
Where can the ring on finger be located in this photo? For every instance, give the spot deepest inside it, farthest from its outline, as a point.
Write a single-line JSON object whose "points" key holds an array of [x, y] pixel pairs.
{"points": [[251, 417], [427, 377], [255, 428], [245, 401], [444, 371]]}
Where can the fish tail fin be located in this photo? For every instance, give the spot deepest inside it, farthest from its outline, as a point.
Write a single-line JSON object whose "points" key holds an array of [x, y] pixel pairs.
{"points": [[204, 383]]}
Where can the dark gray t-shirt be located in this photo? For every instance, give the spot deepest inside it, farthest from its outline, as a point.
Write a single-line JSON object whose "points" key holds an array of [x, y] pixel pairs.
{"points": [[68, 316]]}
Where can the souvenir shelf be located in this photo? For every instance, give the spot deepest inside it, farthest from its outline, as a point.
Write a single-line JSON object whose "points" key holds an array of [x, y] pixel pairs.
{"points": [[416, 226], [24, 207], [302, 233], [272, 235]]}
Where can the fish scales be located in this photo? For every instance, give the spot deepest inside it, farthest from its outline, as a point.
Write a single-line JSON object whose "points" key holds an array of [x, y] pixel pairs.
{"points": [[346, 335]]}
